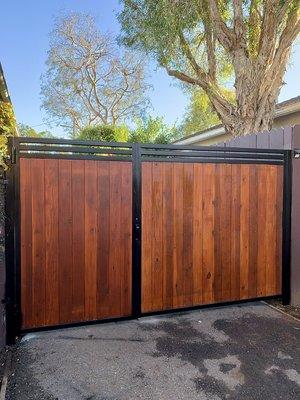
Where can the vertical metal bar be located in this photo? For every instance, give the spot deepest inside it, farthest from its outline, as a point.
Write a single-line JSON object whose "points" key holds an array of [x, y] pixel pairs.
{"points": [[286, 228], [12, 240], [137, 227]]}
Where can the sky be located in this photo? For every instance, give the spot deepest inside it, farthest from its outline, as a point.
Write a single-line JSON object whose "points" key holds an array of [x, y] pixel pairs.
{"points": [[25, 28]]}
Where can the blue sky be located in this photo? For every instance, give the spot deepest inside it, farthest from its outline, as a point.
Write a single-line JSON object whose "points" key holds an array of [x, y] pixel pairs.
{"points": [[25, 27]]}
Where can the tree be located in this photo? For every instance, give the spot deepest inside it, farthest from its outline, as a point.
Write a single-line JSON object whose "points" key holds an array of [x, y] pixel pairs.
{"points": [[152, 130], [87, 81], [107, 133], [7, 128], [28, 131], [199, 114], [188, 38]]}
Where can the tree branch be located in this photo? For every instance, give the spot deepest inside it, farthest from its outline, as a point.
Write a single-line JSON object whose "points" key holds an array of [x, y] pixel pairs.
{"points": [[223, 33]]}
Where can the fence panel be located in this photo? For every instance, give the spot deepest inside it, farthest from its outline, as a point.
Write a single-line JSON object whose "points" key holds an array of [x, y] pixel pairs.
{"points": [[76, 234], [211, 233]]}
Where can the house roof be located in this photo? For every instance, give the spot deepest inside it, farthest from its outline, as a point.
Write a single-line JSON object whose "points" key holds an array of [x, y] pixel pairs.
{"points": [[286, 107]]}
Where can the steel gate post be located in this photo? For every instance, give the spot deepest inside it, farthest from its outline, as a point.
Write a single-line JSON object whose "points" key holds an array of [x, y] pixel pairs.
{"points": [[136, 230], [12, 244], [286, 228]]}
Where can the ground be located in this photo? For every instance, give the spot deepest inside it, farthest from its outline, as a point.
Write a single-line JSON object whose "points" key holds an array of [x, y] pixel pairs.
{"points": [[294, 311], [234, 352]]}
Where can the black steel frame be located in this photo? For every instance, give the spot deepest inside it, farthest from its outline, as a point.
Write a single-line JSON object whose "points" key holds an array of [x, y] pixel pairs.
{"points": [[137, 154], [286, 227]]}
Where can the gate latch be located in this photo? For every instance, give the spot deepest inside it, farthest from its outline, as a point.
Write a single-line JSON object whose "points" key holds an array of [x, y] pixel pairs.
{"points": [[297, 153]]}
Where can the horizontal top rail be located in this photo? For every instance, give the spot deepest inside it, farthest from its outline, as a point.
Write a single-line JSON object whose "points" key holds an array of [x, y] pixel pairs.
{"points": [[206, 154], [80, 149], [68, 142]]}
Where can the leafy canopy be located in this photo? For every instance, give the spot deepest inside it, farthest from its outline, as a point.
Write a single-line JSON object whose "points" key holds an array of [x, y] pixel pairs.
{"points": [[7, 128], [217, 44], [145, 130], [28, 131]]}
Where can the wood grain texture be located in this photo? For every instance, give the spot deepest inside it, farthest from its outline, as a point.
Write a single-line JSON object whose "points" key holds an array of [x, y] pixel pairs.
{"points": [[76, 238], [210, 233]]}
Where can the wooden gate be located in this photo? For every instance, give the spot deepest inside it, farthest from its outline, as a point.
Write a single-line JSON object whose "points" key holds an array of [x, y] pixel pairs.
{"points": [[211, 233], [109, 230]]}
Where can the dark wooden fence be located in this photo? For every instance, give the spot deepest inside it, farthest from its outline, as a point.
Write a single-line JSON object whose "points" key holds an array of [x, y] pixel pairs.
{"points": [[112, 230]]}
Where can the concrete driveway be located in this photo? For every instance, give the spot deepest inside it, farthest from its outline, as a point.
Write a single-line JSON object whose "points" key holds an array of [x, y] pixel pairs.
{"points": [[235, 352]]}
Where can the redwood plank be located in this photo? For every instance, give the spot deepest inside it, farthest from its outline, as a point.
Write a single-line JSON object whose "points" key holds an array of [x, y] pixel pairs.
{"points": [[65, 241], [103, 240], [262, 231], [51, 243], [244, 237], [208, 232], [279, 208], [168, 234], [91, 240], [78, 217], [178, 289], [197, 235], [157, 248], [147, 236], [188, 200], [126, 237], [225, 217], [217, 227], [271, 230], [38, 242], [253, 232], [235, 226], [115, 240]]}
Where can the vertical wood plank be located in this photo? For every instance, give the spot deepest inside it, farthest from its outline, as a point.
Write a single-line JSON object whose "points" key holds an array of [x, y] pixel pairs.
{"points": [[197, 235], [38, 241], [217, 228], [115, 239], [225, 242], [51, 243], [168, 234], [253, 232], [103, 239], [91, 227], [270, 218], [279, 210], [188, 202], [235, 226], [126, 237], [262, 231], [208, 232], [178, 235], [78, 217], [244, 238], [65, 241], [157, 248], [147, 236]]}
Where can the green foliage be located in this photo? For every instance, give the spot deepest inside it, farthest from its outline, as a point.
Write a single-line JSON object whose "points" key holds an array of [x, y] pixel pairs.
{"points": [[27, 131], [7, 128], [106, 133], [152, 130], [199, 114], [157, 28], [215, 44], [7, 119], [145, 130]]}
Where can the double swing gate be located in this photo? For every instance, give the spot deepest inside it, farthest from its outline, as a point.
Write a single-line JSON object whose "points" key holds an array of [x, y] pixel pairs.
{"points": [[98, 231]]}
